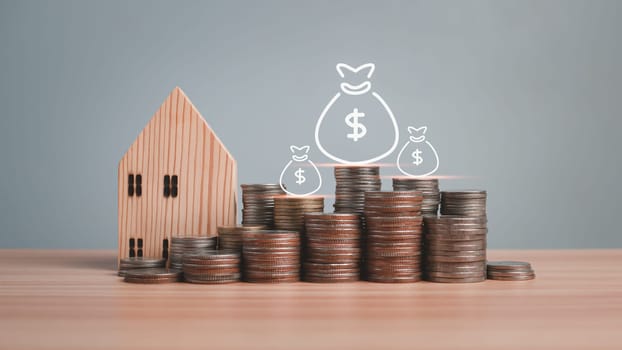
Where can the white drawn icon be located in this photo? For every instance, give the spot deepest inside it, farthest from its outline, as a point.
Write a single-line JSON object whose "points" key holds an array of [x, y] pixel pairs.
{"points": [[358, 129], [361, 115], [301, 171], [420, 157], [300, 179]]}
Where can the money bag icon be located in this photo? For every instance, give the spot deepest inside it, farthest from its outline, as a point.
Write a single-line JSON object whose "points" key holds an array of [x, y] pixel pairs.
{"points": [[418, 157], [356, 126], [301, 175]]}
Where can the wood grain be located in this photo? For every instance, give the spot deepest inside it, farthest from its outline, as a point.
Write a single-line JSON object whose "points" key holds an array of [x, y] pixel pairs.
{"points": [[177, 141], [73, 300]]}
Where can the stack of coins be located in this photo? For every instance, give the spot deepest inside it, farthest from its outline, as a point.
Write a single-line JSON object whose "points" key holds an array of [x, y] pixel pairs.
{"points": [[128, 264], [352, 183], [258, 201], [429, 188], [463, 203], [181, 246], [510, 271], [212, 267], [332, 247], [271, 256], [153, 276], [230, 237], [393, 236], [455, 249], [289, 211]]}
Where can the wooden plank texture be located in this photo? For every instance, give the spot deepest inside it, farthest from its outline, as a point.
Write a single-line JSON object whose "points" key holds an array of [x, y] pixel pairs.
{"points": [[73, 300], [176, 141]]}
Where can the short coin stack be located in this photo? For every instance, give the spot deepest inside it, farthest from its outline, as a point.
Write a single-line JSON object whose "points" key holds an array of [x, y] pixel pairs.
{"points": [[182, 246], [230, 237], [258, 201], [429, 188], [212, 267], [153, 276], [332, 247], [455, 249], [463, 203], [352, 183], [289, 211], [393, 236], [510, 271], [271, 256], [129, 264]]}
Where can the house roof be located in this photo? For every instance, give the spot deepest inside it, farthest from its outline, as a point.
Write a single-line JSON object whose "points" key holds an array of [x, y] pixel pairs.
{"points": [[177, 95]]}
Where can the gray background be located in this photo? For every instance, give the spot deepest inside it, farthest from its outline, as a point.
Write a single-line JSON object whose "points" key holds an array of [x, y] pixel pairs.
{"points": [[522, 98]]}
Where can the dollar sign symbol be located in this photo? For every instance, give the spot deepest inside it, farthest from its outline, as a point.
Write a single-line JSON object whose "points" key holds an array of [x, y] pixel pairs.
{"points": [[417, 157], [358, 129], [300, 179]]}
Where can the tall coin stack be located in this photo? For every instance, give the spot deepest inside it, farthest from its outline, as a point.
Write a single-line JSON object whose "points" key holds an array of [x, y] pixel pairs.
{"points": [[393, 236], [289, 213], [463, 203], [212, 267], [258, 201], [352, 183], [271, 256], [455, 249], [230, 237], [182, 246], [429, 188], [332, 247]]}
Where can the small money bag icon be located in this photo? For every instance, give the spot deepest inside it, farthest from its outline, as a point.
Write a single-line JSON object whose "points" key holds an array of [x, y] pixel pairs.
{"points": [[300, 174], [356, 126], [418, 157]]}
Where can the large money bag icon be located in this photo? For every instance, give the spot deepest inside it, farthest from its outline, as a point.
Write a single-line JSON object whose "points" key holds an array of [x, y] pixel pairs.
{"points": [[356, 126], [300, 174], [418, 157]]}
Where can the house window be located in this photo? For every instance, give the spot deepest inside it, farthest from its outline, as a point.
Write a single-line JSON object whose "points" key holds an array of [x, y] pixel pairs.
{"points": [[130, 185], [165, 248], [134, 185], [171, 186], [139, 185], [139, 253], [167, 186], [132, 247], [174, 186]]}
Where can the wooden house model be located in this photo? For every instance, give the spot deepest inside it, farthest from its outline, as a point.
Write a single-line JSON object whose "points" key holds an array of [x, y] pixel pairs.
{"points": [[177, 179]]}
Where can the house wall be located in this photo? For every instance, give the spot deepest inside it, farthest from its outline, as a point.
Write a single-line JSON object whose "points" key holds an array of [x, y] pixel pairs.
{"points": [[177, 141]]}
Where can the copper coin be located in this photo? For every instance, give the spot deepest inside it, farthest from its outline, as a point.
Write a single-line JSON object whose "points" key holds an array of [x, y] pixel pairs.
{"points": [[152, 275], [399, 279], [469, 274], [512, 278], [457, 280]]}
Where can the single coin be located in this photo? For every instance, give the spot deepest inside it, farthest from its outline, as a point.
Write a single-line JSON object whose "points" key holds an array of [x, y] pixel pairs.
{"points": [[512, 278], [457, 280], [469, 274], [511, 273], [152, 275]]}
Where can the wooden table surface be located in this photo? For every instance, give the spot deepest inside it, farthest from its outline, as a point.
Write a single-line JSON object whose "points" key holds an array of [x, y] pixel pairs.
{"points": [[74, 300]]}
